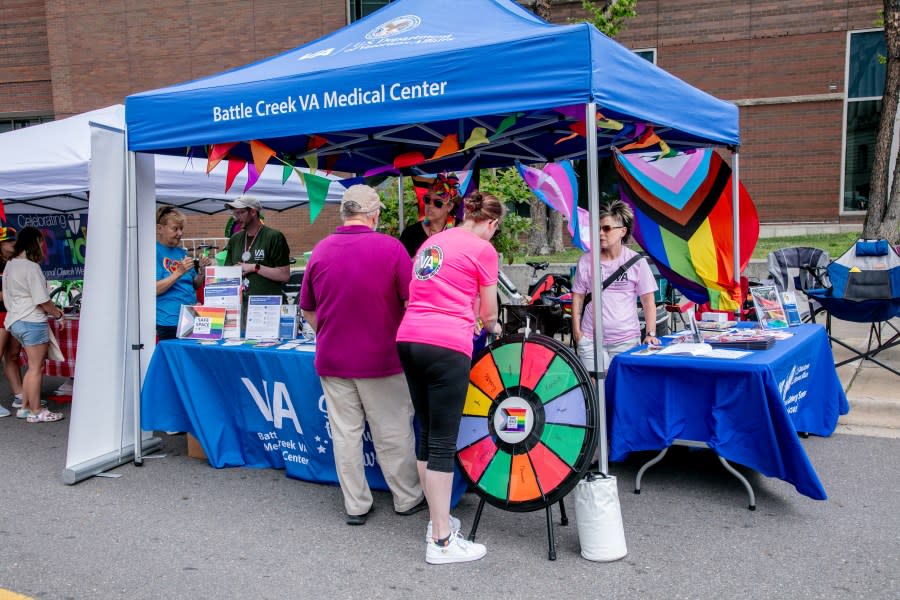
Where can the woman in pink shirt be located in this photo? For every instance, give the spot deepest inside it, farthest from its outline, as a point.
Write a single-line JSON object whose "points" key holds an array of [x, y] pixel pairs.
{"points": [[454, 272]]}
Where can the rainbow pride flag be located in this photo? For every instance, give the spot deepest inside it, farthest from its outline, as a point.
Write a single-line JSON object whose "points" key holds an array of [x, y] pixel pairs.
{"points": [[683, 220]]}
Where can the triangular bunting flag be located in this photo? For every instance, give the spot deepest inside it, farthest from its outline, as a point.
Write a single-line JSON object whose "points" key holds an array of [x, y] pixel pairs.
{"points": [[477, 138], [312, 161], [506, 124], [315, 142], [252, 177], [216, 153], [317, 190], [235, 166], [301, 175], [408, 159], [2, 212], [330, 161], [261, 155], [449, 145], [287, 169]]}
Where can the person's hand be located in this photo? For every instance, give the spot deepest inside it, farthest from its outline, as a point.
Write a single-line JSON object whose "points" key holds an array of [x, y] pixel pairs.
{"points": [[55, 312], [184, 265], [577, 334], [205, 261], [651, 340], [497, 328]]}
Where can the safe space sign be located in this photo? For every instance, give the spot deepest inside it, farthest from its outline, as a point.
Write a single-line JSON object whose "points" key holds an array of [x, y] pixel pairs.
{"points": [[64, 242]]}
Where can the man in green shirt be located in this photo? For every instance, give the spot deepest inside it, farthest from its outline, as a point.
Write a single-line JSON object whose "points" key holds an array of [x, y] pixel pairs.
{"points": [[260, 251]]}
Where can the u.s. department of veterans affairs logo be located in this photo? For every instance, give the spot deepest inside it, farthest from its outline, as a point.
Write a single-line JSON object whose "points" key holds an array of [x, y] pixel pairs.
{"points": [[428, 262], [394, 26]]}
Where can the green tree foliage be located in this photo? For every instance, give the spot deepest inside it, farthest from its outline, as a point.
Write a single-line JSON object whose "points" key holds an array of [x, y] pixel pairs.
{"points": [[508, 186], [609, 17]]}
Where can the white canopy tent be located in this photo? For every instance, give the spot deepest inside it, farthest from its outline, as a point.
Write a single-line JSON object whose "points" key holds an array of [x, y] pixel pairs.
{"points": [[46, 169], [49, 169]]}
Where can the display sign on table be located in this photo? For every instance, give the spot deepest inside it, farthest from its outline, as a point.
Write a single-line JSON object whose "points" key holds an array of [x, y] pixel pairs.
{"points": [[223, 288], [263, 317], [769, 310], [201, 322]]}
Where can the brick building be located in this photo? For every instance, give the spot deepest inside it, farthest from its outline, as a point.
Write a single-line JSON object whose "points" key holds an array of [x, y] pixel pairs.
{"points": [[805, 75]]}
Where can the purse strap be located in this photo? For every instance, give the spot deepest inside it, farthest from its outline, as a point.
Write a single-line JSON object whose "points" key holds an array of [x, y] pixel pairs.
{"points": [[618, 272]]}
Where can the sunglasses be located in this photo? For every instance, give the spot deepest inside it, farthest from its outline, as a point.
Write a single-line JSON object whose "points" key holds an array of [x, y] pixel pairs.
{"points": [[437, 202], [608, 228]]}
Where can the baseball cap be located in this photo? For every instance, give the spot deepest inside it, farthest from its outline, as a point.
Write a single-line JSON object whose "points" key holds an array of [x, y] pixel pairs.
{"points": [[245, 202], [7, 234], [360, 198]]}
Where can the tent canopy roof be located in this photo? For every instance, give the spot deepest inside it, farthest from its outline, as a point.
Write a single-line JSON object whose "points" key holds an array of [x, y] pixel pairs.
{"points": [[416, 71], [46, 168]]}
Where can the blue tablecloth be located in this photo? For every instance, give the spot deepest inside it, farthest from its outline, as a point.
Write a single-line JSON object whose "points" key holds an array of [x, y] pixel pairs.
{"points": [[250, 407], [747, 410]]}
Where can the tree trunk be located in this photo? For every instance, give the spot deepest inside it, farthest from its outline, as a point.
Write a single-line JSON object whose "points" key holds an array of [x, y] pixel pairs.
{"points": [[556, 240], [537, 237], [883, 213]]}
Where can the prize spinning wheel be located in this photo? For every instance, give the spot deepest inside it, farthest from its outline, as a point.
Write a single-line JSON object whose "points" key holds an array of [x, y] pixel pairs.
{"points": [[529, 425]]}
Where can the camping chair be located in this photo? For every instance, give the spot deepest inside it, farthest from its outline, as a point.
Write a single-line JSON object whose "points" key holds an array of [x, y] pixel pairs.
{"points": [[865, 288], [799, 268]]}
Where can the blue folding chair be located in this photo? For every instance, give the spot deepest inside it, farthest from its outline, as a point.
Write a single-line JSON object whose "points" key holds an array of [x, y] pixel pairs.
{"points": [[865, 288]]}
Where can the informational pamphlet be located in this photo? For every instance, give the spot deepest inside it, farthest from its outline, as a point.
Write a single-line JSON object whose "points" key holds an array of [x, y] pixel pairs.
{"points": [[288, 324], [223, 288], [201, 322], [263, 317], [769, 310], [789, 301]]}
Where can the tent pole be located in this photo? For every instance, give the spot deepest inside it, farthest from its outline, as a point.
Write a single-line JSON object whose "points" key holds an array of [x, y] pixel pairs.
{"points": [[132, 329], [735, 224], [400, 204], [594, 208]]}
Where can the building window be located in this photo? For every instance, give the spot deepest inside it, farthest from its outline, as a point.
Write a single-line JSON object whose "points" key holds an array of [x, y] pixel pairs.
{"points": [[648, 54], [362, 8], [865, 86], [8, 123]]}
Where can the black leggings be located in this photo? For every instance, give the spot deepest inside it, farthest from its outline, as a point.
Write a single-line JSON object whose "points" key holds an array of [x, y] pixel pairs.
{"points": [[438, 380]]}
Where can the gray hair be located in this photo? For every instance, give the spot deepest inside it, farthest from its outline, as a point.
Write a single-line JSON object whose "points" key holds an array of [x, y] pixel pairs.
{"points": [[353, 209]]}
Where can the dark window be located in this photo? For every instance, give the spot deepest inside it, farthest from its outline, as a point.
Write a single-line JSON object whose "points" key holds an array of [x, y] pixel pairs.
{"points": [[362, 8], [8, 124], [865, 86], [648, 55]]}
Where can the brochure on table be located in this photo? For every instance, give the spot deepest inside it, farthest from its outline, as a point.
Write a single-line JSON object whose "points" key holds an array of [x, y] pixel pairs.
{"points": [[201, 322], [769, 310], [223, 289], [263, 317], [791, 310], [289, 322]]}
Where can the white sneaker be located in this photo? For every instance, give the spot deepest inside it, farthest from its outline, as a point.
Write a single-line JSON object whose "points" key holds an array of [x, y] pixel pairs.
{"points": [[455, 526], [5, 413], [23, 413], [458, 550]]}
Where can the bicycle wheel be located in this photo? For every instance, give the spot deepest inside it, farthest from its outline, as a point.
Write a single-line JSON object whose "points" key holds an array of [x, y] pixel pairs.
{"points": [[529, 425]]}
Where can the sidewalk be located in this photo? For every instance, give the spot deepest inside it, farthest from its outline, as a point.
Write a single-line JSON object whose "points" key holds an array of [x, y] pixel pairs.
{"points": [[871, 390]]}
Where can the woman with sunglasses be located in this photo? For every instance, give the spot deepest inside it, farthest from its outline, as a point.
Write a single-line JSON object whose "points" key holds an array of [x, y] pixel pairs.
{"points": [[454, 274], [440, 202], [621, 325], [176, 275]]}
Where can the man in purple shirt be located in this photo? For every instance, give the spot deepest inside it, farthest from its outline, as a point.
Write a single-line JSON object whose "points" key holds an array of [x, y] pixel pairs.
{"points": [[354, 293]]}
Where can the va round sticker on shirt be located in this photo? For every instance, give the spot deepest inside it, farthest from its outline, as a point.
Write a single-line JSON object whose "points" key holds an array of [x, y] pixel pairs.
{"points": [[428, 262]]}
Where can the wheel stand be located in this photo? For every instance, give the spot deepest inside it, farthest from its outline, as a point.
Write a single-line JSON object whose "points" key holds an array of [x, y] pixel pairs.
{"points": [[551, 538]]}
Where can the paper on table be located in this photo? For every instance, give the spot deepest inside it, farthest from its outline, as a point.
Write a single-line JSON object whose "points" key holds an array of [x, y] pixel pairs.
{"points": [[687, 348]]}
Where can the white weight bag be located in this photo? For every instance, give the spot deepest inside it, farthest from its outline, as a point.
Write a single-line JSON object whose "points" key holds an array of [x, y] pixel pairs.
{"points": [[599, 518]]}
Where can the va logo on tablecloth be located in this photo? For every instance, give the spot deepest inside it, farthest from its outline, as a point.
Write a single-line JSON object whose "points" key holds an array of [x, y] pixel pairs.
{"points": [[797, 374], [274, 408]]}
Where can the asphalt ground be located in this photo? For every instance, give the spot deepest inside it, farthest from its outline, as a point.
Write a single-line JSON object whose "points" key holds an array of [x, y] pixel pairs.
{"points": [[177, 528]]}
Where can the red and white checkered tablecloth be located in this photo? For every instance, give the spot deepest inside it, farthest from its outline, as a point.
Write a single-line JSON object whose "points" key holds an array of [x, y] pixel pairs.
{"points": [[66, 332]]}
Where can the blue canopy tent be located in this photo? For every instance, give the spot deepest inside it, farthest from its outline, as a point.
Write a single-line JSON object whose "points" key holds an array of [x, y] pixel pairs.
{"points": [[401, 80]]}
